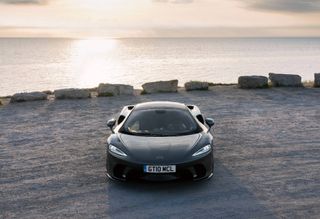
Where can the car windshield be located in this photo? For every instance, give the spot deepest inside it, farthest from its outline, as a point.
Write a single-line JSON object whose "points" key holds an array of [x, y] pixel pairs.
{"points": [[160, 122]]}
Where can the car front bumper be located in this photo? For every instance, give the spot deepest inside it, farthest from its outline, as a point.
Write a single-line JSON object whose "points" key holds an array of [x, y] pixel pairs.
{"points": [[123, 170]]}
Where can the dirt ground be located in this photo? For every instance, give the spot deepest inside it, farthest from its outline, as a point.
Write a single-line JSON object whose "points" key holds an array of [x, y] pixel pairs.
{"points": [[267, 153]]}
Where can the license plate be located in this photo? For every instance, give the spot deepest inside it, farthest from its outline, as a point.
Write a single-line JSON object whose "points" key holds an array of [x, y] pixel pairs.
{"points": [[159, 168]]}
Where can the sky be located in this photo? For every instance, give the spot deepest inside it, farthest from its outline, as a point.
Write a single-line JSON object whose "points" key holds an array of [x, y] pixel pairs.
{"points": [[159, 18]]}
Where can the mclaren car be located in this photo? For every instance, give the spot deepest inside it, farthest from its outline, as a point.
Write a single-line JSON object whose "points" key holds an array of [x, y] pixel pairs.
{"points": [[160, 141]]}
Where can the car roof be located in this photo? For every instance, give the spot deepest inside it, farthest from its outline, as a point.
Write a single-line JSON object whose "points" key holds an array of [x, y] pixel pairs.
{"points": [[160, 105]]}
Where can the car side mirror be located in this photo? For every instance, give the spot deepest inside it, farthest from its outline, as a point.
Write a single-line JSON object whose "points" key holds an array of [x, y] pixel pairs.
{"points": [[210, 122], [111, 123]]}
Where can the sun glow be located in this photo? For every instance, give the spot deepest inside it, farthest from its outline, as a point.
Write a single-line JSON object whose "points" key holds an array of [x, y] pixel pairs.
{"points": [[92, 59]]}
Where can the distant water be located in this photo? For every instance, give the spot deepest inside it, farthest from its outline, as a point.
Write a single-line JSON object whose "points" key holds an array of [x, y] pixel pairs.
{"points": [[40, 64]]}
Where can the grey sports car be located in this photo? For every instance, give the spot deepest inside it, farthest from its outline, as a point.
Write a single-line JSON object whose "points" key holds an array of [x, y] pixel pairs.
{"points": [[160, 141]]}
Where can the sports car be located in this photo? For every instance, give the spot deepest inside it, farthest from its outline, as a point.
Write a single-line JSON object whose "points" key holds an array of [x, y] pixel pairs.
{"points": [[160, 141]]}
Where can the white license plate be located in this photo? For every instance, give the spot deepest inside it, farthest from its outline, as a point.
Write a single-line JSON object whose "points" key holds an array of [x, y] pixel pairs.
{"points": [[159, 168]]}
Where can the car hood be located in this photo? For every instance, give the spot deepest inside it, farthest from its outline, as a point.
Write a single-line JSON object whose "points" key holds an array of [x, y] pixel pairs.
{"points": [[159, 150]]}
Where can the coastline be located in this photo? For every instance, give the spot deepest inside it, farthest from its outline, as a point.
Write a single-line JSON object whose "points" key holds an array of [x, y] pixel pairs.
{"points": [[249, 82]]}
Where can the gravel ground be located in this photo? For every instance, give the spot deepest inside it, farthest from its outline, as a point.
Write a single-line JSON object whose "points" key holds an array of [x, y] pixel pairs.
{"points": [[267, 153]]}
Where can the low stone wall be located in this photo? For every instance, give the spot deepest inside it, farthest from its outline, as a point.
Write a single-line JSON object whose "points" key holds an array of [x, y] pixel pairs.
{"points": [[251, 82], [285, 80], [72, 93], [316, 80], [160, 87], [31, 96], [196, 85], [104, 89], [114, 90]]}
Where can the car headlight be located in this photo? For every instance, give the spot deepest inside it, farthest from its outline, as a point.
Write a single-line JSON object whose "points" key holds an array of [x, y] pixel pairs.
{"points": [[116, 150], [203, 150]]}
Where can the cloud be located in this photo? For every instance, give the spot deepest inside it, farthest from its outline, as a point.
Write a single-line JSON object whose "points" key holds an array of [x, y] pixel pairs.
{"points": [[24, 2], [297, 6], [175, 1]]}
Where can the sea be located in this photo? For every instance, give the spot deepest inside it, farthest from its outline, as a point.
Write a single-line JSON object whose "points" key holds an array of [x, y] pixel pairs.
{"points": [[37, 64]]}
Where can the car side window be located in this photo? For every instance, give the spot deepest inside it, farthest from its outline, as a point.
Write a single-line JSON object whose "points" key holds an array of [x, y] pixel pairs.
{"points": [[200, 118], [120, 119]]}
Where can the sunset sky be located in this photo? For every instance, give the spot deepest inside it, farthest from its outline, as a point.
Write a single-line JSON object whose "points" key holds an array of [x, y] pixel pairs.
{"points": [[159, 18]]}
